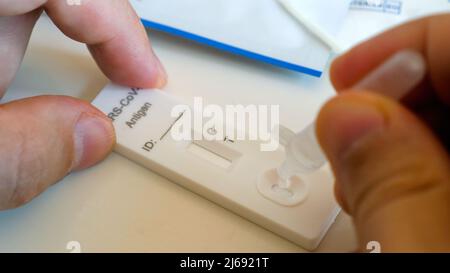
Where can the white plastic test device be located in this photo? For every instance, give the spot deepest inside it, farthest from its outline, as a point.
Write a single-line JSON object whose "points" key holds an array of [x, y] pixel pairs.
{"points": [[288, 191], [235, 174]]}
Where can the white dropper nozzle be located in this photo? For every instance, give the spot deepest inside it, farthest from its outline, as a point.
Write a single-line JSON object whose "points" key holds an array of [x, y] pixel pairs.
{"points": [[395, 78], [303, 154]]}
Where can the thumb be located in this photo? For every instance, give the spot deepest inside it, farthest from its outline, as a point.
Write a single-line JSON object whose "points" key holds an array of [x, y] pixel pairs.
{"points": [[392, 174], [42, 139]]}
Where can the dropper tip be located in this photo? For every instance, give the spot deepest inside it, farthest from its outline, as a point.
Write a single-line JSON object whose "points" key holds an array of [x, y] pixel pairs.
{"points": [[284, 176]]}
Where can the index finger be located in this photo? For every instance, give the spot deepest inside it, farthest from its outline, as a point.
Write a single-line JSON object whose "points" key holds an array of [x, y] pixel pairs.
{"points": [[429, 36], [115, 37]]}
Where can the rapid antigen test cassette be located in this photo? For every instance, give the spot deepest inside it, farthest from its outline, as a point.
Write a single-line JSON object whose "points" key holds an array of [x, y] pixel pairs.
{"points": [[236, 174]]}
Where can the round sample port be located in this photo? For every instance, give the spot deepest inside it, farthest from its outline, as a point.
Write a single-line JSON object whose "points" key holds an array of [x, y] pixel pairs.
{"points": [[268, 185]]}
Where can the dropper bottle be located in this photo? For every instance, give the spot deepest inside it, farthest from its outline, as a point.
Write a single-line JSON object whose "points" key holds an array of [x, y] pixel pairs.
{"points": [[395, 78], [303, 154]]}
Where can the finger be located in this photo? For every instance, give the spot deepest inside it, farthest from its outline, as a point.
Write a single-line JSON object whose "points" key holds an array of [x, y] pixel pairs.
{"points": [[395, 77], [44, 138], [116, 39], [397, 187], [15, 33], [428, 36], [14, 7]]}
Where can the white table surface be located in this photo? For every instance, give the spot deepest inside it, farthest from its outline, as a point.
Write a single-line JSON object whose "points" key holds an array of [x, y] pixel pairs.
{"points": [[119, 206]]}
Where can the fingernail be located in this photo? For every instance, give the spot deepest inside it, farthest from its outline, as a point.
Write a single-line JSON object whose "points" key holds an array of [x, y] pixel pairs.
{"points": [[347, 122], [397, 76], [161, 73], [93, 140]]}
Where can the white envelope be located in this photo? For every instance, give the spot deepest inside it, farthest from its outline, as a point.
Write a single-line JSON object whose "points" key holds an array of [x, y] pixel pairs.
{"points": [[369, 18], [365, 19], [258, 29]]}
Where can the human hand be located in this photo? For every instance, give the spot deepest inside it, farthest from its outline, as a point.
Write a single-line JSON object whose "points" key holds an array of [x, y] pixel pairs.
{"points": [[44, 138], [390, 158]]}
